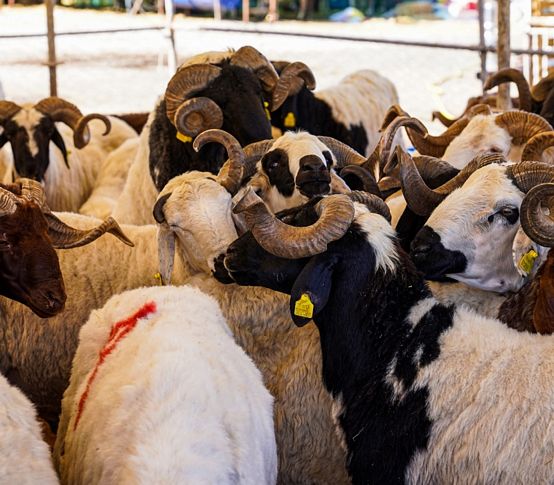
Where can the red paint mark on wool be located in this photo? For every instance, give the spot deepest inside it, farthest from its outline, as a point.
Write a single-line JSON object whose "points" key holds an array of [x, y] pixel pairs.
{"points": [[118, 332]]}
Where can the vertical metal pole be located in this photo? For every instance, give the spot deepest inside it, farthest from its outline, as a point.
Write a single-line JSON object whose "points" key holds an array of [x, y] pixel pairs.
{"points": [[245, 10], [482, 45], [503, 100], [273, 12], [170, 36], [217, 9], [51, 47]]}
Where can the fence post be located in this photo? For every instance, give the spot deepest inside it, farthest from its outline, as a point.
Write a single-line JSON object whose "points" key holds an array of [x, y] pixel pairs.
{"points": [[503, 100], [51, 47], [482, 45]]}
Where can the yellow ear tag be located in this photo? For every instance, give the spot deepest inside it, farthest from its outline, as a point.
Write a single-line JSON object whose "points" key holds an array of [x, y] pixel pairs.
{"points": [[158, 278], [527, 261], [183, 138], [266, 108], [290, 120], [304, 307]]}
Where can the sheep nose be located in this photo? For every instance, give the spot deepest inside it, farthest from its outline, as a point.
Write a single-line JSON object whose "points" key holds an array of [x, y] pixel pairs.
{"points": [[424, 242], [311, 163]]}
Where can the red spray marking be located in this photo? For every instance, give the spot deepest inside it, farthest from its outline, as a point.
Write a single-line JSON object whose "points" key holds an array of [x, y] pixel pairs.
{"points": [[119, 331]]}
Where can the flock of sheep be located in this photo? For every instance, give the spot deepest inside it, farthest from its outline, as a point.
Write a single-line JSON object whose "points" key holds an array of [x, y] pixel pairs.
{"points": [[247, 204]]}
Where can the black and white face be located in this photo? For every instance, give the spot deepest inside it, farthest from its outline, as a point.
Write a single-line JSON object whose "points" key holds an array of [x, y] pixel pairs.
{"points": [[29, 133], [298, 167], [469, 236]]}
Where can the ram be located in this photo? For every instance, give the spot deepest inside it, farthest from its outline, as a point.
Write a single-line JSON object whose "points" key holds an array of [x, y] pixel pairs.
{"points": [[221, 90], [424, 392], [197, 221], [65, 157], [351, 111], [160, 392]]}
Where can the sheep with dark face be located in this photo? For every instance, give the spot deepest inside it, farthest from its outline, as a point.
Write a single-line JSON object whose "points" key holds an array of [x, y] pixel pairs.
{"points": [[351, 112], [67, 158], [227, 90], [424, 393]]}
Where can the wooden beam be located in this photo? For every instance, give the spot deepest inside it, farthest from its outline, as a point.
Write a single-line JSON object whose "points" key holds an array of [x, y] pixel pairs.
{"points": [[51, 47], [503, 100]]}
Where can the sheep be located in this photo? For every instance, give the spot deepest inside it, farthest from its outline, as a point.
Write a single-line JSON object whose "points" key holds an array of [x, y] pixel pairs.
{"points": [[195, 219], [351, 111], [228, 93], [160, 392], [66, 158], [424, 393]]}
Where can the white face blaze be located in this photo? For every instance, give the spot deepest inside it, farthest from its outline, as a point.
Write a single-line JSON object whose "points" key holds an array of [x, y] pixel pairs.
{"points": [[470, 220], [199, 213], [297, 145], [29, 118], [482, 134]]}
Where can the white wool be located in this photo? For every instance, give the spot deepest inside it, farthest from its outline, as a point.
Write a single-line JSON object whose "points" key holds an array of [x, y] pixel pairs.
{"points": [[177, 401], [490, 401], [111, 180], [362, 97], [24, 456], [68, 188]]}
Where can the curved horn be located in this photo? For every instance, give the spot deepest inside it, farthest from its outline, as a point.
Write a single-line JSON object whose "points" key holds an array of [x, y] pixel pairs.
{"points": [[251, 58], [507, 75], [522, 125], [158, 211], [387, 138], [392, 113], [336, 214], [61, 110], [8, 202], [536, 224], [535, 147], [66, 237], [7, 110], [293, 77], [185, 83], [344, 154], [253, 153], [445, 120], [423, 200], [374, 203], [33, 190], [197, 115], [527, 174], [366, 178], [231, 177], [541, 90]]}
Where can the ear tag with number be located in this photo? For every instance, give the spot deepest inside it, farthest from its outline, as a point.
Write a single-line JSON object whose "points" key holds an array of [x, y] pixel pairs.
{"points": [[527, 261], [266, 108], [290, 120], [304, 307], [183, 138]]}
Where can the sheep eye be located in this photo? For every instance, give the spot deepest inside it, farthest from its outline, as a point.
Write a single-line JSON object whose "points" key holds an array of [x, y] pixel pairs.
{"points": [[511, 214]]}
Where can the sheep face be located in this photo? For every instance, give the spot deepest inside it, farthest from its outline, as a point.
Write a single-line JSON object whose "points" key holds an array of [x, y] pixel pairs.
{"points": [[481, 134], [297, 168], [469, 236], [30, 133], [29, 267], [197, 210]]}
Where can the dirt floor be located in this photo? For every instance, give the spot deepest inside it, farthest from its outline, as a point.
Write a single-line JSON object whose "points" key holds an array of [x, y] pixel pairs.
{"points": [[124, 72]]}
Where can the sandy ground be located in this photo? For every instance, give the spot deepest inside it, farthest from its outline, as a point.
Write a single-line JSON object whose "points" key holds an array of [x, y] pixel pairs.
{"points": [[125, 72]]}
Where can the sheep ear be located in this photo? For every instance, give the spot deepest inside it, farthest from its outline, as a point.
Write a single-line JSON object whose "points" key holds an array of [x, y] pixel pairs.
{"points": [[166, 252], [58, 141], [311, 289], [3, 139]]}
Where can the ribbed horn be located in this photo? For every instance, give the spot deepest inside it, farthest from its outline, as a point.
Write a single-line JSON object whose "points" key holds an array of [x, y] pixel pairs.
{"points": [[293, 77], [445, 120], [528, 174], [543, 88], [336, 213], [387, 138], [344, 154], [8, 202], [185, 84], [7, 110], [251, 58], [33, 190], [535, 147], [522, 125], [197, 115], [536, 224], [508, 75], [392, 113], [66, 237], [372, 202], [436, 145], [231, 177], [65, 112], [423, 200], [363, 175]]}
